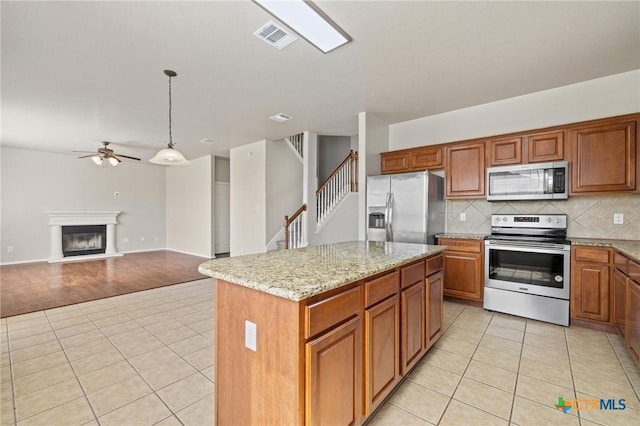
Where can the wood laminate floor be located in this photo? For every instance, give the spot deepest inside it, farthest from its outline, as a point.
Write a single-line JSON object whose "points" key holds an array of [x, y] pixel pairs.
{"points": [[41, 285]]}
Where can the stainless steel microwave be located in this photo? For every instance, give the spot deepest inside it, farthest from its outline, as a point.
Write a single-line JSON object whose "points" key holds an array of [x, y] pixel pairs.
{"points": [[537, 181]]}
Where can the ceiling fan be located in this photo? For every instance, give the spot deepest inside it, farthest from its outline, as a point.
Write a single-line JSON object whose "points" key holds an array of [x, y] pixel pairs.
{"points": [[106, 153]]}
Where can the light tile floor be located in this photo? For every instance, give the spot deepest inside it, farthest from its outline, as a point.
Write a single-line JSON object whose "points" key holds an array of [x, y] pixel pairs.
{"points": [[147, 358]]}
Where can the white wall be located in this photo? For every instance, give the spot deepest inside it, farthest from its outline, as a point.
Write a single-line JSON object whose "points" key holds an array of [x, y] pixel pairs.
{"points": [[33, 181], [603, 97], [342, 225], [222, 169], [190, 207], [248, 199], [332, 150], [283, 185], [373, 138]]}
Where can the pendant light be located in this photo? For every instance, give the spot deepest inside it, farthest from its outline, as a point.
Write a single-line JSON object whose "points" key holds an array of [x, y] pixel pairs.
{"points": [[170, 156]]}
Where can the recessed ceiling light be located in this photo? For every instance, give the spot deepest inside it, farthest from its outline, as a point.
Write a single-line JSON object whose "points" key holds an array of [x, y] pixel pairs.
{"points": [[280, 117], [308, 21]]}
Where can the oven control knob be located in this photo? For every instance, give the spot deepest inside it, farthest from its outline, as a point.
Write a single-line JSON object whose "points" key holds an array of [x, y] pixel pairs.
{"points": [[549, 219], [504, 219]]}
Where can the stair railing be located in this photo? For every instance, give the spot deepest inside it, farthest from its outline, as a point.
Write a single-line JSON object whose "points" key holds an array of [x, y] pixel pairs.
{"points": [[296, 142], [342, 181], [294, 229]]}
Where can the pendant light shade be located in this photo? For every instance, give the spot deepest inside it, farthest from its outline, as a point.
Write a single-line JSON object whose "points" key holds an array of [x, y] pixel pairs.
{"points": [[170, 156]]}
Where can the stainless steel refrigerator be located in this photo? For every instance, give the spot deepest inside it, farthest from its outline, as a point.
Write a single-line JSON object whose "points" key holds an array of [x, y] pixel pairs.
{"points": [[407, 207]]}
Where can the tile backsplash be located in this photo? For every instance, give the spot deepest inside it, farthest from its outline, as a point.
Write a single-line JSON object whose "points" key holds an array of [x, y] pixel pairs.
{"points": [[588, 216]]}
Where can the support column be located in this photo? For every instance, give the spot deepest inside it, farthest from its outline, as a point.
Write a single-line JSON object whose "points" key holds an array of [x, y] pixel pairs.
{"points": [[56, 242], [111, 239]]}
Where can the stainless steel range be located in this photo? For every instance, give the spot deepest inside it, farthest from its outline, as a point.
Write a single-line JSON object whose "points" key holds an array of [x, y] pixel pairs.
{"points": [[527, 267]]}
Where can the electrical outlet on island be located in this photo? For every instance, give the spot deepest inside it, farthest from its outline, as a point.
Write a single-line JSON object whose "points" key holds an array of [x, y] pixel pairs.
{"points": [[618, 218]]}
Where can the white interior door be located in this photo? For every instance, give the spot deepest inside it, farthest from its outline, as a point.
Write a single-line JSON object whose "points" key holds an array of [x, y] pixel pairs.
{"points": [[222, 217]]}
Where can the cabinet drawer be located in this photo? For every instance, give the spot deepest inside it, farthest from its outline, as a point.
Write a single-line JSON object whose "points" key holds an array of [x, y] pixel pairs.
{"points": [[434, 264], [595, 255], [412, 274], [381, 288], [471, 246], [621, 262], [329, 312], [634, 271]]}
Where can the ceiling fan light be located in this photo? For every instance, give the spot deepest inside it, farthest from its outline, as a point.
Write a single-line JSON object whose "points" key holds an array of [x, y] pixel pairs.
{"points": [[169, 157], [97, 159], [114, 161]]}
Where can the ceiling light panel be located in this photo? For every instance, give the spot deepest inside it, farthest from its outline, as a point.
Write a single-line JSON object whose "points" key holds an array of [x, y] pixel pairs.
{"points": [[308, 21]]}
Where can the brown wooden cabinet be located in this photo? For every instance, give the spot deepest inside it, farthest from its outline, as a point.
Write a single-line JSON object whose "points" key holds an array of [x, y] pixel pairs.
{"points": [[426, 158], [394, 162], [633, 318], [412, 327], [619, 300], [435, 288], [463, 268], [382, 338], [604, 157], [465, 170], [590, 283], [546, 146], [505, 151], [334, 376]]}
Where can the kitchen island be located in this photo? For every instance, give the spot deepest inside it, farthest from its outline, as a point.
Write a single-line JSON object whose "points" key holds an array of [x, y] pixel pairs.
{"points": [[323, 334]]}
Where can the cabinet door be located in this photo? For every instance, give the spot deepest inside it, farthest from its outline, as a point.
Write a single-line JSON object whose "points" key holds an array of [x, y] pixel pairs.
{"points": [[425, 158], [505, 151], [435, 285], [633, 319], [590, 291], [382, 351], [394, 162], [463, 275], [604, 158], [619, 299], [333, 385], [546, 147], [413, 333], [465, 170]]}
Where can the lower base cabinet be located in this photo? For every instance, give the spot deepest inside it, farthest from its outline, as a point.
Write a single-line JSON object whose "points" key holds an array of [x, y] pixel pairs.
{"points": [[382, 351], [412, 327], [633, 319], [435, 286], [463, 268], [619, 301], [334, 376]]}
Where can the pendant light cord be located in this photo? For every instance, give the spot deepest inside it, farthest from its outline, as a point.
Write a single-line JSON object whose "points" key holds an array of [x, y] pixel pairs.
{"points": [[170, 135]]}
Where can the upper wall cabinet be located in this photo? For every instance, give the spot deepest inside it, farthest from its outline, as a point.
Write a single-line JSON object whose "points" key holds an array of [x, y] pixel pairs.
{"points": [[465, 170], [604, 157], [423, 158], [394, 162], [526, 148], [548, 146]]}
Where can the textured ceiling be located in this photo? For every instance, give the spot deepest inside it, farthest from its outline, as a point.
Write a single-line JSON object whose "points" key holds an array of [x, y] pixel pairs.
{"points": [[76, 73]]}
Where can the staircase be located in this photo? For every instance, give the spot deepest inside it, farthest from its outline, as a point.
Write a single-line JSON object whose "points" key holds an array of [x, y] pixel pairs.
{"points": [[341, 182], [328, 197]]}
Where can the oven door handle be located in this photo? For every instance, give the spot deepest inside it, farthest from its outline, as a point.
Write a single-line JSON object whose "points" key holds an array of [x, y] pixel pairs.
{"points": [[524, 246]]}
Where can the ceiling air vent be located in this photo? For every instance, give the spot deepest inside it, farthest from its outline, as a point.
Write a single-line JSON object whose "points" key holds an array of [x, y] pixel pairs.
{"points": [[281, 117], [277, 36]]}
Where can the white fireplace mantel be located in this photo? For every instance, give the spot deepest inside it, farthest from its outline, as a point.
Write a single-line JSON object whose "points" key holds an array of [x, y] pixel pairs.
{"points": [[58, 219]]}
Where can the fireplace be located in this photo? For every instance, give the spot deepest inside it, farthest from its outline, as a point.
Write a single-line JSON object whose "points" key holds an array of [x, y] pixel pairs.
{"points": [[77, 235], [81, 240]]}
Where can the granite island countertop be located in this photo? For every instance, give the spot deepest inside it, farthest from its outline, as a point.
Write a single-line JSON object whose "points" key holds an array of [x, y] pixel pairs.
{"points": [[302, 273]]}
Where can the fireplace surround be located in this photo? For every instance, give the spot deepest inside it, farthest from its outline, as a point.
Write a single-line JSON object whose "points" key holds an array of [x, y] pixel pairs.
{"points": [[87, 243]]}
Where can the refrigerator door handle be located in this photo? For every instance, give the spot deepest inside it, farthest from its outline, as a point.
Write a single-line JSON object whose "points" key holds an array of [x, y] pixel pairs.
{"points": [[389, 217]]}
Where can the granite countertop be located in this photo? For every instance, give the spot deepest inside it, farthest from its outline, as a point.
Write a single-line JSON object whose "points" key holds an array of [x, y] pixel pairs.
{"points": [[628, 247], [301, 273], [462, 236]]}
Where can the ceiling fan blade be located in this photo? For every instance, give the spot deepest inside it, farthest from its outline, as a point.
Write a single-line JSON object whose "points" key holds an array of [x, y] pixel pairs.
{"points": [[87, 156], [86, 152], [126, 156]]}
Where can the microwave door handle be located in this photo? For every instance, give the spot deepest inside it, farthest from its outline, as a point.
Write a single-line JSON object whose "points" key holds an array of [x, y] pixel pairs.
{"points": [[548, 180]]}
